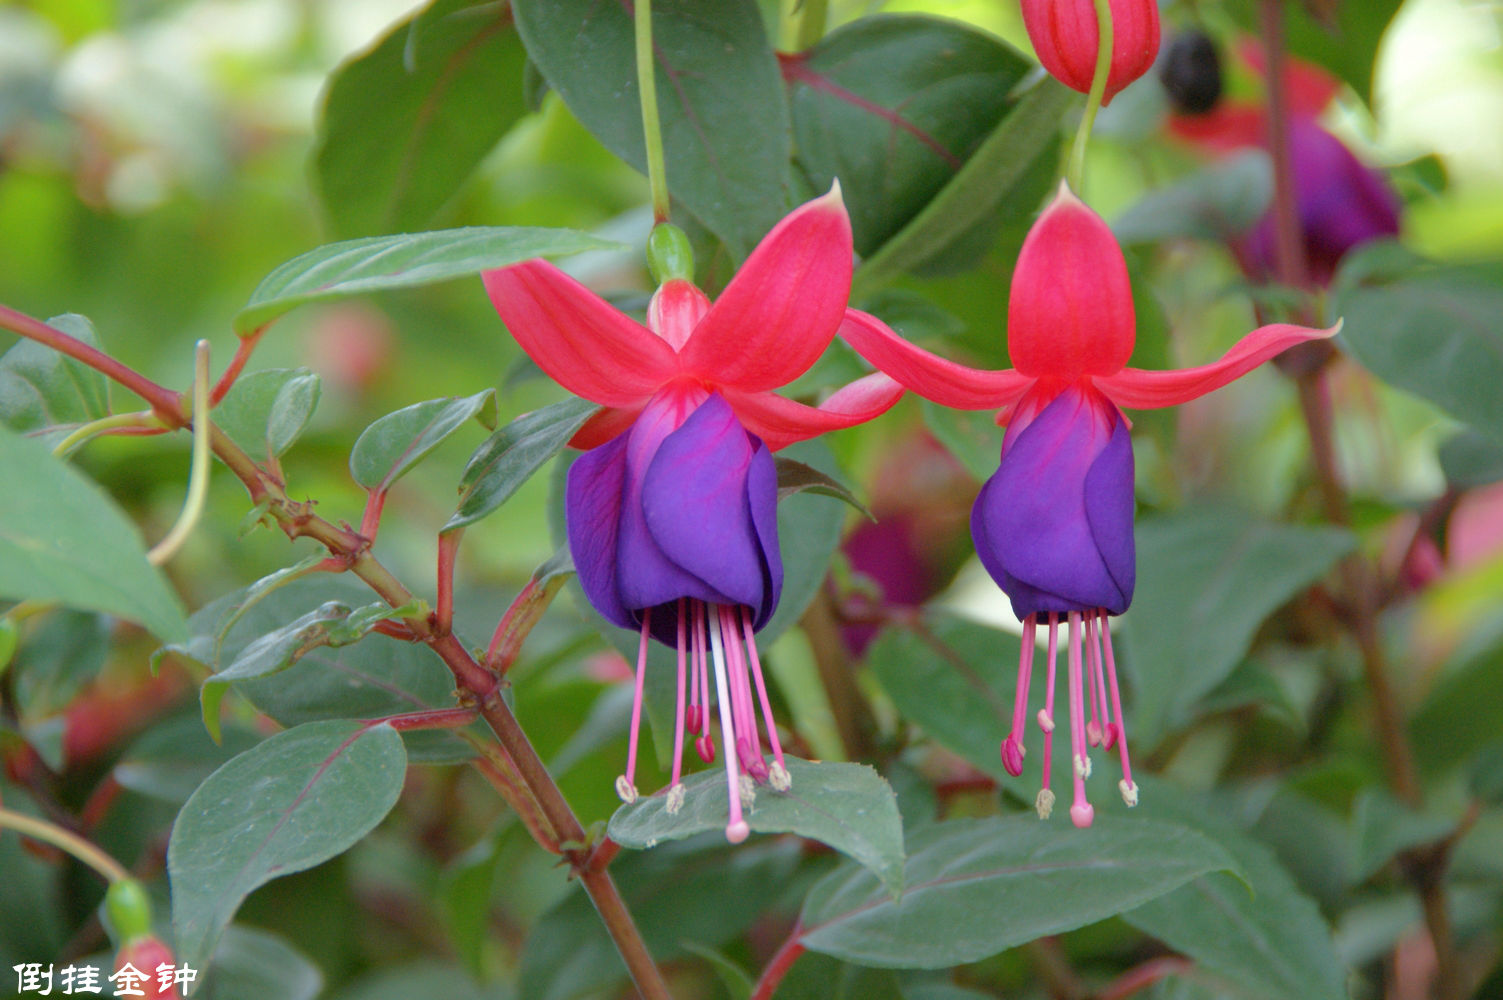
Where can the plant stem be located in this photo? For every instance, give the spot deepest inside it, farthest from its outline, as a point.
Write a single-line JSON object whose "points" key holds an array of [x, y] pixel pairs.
{"points": [[1075, 172], [1425, 868], [782, 960], [198, 476], [811, 23], [243, 351], [163, 401], [105, 425], [652, 129], [297, 520], [51, 833]]}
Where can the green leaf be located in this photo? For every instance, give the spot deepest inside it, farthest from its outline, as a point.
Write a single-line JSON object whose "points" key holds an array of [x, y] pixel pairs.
{"points": [[172, 758], [57, 660], [995, 179], [41, 387], [273, 652], [978, 887], [252, 964], [1435, 335], [725, 125], [406, 122], [1470, 460], [511, 456], [1462, 714], [370, 679], [379, 263], [702, 892], [972, 436], [1271, 941], [893, 105], [1207, 578], [1384, 826], [846, 806], [287, 804], [796, 477], [1215, 203], [418, 979], [957, 682], [265, 411], [391, 446], [63, 539]]}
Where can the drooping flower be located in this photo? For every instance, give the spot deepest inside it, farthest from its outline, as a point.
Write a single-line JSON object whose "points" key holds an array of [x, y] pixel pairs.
{"points": [[671, 512], [1065, 36], [1341, 204], [1054, 525]]}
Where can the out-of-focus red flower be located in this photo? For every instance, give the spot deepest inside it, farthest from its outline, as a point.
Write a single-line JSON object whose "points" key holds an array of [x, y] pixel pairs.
{"points": [[1341, 203]]}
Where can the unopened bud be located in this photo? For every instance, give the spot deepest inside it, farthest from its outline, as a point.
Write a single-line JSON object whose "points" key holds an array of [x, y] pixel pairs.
{"points": [[1065, 36]]}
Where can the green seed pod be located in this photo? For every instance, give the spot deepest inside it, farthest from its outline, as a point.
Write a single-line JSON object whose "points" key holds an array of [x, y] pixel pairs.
{"points": [[669, 254], [129, 909]]}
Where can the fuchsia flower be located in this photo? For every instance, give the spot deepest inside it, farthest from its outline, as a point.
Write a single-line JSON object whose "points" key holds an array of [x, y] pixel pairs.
{"points": [[1066, 39], [1054, 526], [1341, 203], [671, 513]]}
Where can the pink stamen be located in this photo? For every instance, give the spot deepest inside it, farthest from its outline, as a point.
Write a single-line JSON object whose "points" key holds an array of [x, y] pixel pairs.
{"points": [[736, 828], [629, 792], [756, 665], [1093, 695], [702, 670], [735, 672], [1012, 747], [1081, 813], [678, 728], [1094, 624], [1049, 697], [1129, 789], [695, 720]]}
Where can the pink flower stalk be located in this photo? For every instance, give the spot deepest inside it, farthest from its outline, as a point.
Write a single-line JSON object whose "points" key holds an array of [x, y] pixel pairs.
{"points": [[1066, 38], [671, 513], [1054, 525]]}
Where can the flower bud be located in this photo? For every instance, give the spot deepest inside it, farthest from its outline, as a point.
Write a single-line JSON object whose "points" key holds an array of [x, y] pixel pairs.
{"points": [[1191, 73], [1064, 35], [146, 955], [129, 909]]}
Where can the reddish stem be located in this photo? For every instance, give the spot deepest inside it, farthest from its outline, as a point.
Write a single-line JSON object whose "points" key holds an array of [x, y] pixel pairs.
{"points": [[237, 364], [370, 521], [782, 960], [1289, 248], [163, 401], [448, 551], [517, 623], [1142, 977]]}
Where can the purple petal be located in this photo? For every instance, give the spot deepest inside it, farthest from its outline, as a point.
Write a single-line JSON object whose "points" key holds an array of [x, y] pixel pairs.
{"points": [[762, 498], [1054, 525], [698, 510], [592, 512], [646, 575]]}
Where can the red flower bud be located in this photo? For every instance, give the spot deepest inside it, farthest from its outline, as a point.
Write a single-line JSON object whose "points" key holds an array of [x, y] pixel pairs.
{"points": [[146, 955], [1064, 35]]}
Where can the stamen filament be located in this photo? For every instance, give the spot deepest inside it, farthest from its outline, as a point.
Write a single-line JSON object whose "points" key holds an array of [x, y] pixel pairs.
{"points": [[1129, 789], [1049, 697], [1094, 695], [627, 786], [1081, 812], [736, 829], [749, 635], [678, 727]]}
